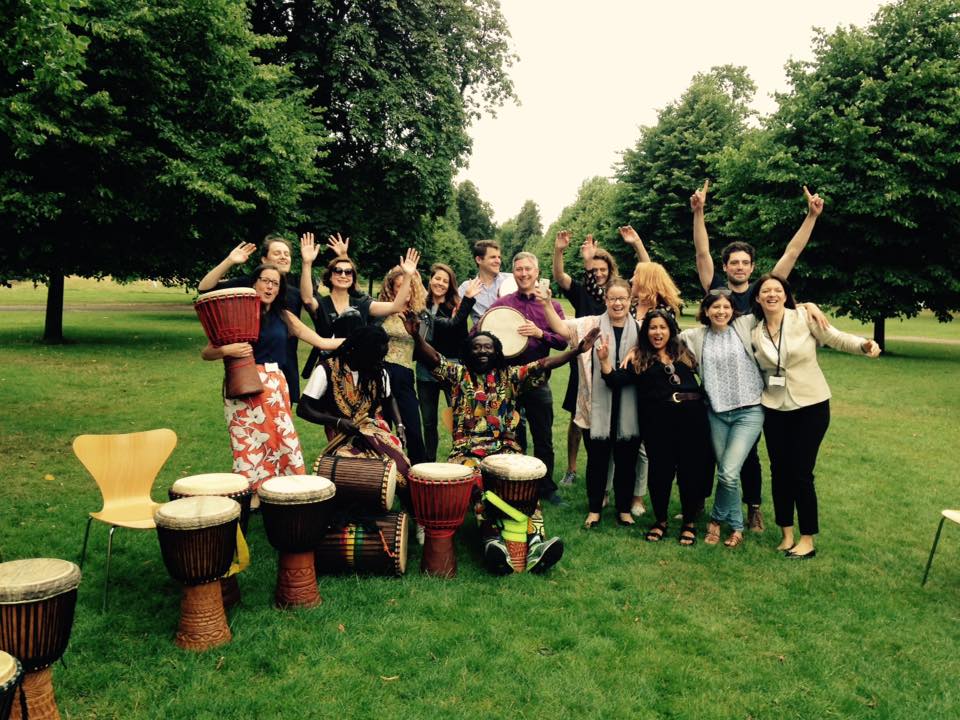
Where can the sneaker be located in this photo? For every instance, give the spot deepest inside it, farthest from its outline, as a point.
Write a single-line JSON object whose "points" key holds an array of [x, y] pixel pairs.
{"points": [[421, 535], [496, 558], [638, 508], [755, 519], [555, 499], [543, 554], [569, 478]]}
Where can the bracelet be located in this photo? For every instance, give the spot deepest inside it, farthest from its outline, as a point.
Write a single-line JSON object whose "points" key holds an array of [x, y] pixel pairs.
{"points": [[338, 423]]}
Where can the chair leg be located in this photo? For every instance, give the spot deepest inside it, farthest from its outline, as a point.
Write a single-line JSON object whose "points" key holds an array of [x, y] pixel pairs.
{"points": [[936, 540], [86, 536], [106, 575]]}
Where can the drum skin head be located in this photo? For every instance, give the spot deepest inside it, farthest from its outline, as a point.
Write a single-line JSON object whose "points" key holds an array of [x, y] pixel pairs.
{"points": [[296, 489], [225, 292], [192, 513], [502, 322], [440, 472], [36, 579], [211, 484], [512, 466], [10, 669]]}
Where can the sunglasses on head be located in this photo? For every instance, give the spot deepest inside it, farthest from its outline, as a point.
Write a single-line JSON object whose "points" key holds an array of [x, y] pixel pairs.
{"points": [[720, 292], [342, 271]]}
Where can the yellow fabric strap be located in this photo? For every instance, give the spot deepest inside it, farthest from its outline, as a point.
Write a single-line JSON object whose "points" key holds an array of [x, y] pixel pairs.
{"points": [[241, 558]]}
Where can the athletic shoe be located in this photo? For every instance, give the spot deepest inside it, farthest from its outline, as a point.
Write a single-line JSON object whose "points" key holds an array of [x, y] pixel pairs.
{"points": [[495, 556], [543, 554], [569, 478], [755, 519]]}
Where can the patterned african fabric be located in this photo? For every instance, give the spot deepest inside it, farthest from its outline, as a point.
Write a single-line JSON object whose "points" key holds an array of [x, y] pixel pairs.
{"points": [[262, 436]]}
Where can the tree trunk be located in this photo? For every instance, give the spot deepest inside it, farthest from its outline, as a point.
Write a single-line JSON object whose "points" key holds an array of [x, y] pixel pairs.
{"points": [[53, 326], [879, 333]]}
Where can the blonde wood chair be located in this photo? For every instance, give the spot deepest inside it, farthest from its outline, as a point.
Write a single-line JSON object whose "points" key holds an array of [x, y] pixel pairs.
{"points": [[446, 417], [952, 516], [124, 468]]}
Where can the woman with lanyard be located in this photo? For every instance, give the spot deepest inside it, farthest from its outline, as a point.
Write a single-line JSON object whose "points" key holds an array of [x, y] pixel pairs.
{"points": [[445, 328], [264, 441], [796, 401], [606, 415], [673, 420]]}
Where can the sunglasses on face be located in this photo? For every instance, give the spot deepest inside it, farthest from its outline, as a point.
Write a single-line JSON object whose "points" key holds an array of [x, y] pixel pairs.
{"points": [[347, 272]]}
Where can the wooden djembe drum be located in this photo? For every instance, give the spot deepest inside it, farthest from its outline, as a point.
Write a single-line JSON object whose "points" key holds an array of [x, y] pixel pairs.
{"points": [[11, 676], [198, 539], [366, 546], [514, 479], [37, 601], [440, 493], [232, 315], [368, 484]]}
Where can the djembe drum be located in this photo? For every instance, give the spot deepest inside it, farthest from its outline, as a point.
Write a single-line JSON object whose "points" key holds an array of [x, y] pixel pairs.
{"points": [[232, 315], [366, 546], [198, 539], [11, 673], [440, 493], [296, 514], [503, 323], [361, 482], [37, 600], [515, 479], [236, 487]]}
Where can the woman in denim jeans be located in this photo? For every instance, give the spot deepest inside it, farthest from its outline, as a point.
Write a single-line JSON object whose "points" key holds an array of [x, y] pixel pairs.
{"points": [[734, 384]]}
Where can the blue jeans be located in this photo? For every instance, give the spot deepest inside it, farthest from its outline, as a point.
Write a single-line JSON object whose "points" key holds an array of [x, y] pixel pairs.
{"points": [[733, 433]]}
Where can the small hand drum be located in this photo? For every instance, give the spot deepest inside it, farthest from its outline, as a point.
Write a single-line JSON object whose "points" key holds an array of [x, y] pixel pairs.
{"points": [[515, 479], [232, 315], [364, 484], [296, 514], [37, 602], [440, 493], [11, 673], [503, 324], [198, 539], [373, 546]]}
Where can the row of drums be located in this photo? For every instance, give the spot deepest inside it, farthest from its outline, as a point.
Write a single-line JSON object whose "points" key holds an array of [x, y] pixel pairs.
{"points": [[314, 522]]}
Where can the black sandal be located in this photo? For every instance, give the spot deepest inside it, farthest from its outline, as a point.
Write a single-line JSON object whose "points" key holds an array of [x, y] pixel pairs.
{"points": [[688, 535], [656, 532]]}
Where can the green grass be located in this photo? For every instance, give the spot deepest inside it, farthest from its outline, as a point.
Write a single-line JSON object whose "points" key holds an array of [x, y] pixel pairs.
{"points": [[619, 628]]}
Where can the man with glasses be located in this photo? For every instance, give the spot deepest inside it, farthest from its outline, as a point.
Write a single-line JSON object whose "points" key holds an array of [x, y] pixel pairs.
{"points": [[738, 264]]}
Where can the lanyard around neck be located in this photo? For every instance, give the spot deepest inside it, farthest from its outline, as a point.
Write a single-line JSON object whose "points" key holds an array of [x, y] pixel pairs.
{"points": [[779, 340]]}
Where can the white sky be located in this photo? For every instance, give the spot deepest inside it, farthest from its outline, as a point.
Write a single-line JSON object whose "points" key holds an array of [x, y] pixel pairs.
{"points": [[591, 72]]}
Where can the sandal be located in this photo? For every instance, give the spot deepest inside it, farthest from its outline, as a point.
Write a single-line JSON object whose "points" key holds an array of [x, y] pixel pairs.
{"points": [[736, 537], [656, 532], [712, 536], [688, 535]]}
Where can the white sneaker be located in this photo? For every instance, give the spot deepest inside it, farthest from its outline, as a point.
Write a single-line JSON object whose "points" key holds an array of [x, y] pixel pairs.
{"points": [[638, 508]]}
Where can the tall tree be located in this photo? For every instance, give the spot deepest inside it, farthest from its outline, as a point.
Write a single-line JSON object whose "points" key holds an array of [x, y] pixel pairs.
{"points": [[476, 215], [141, 139], [526, 232], [447, 245], [592, 213], [673, 157], [873, 124], [398, 84]]}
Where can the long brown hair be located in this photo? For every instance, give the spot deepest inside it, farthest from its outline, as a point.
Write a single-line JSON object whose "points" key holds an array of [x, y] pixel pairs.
{"points": [[452, 297], [677, 351]]}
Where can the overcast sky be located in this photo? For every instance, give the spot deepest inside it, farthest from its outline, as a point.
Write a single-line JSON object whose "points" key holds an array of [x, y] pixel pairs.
{"points": [[591, 72]]}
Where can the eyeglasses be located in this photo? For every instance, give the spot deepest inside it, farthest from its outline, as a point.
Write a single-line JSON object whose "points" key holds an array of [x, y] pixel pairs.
{"points": [[269, 282], [343, 271], [618, 300], [670, 370], [720, 292]]}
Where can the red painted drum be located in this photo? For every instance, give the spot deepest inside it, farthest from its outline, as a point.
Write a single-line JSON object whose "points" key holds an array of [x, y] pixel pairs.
{"points": [[440, 493], [232, 315]]}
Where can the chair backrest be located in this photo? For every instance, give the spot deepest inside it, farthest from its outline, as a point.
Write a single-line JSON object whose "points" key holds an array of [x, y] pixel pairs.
{"points": [[125, 466]]}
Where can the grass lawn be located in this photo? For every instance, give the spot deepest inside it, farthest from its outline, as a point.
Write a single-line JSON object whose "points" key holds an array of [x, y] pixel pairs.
{"points": [[620, 628]]}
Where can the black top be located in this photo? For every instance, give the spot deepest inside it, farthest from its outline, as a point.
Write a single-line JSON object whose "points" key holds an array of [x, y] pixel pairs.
{"points": [[584, 302], [655, 384], [739, 300], [447, 333], [326, 314]]}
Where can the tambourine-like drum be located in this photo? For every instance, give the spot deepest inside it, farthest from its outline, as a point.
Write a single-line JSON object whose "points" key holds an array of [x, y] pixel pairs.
{"points": [[232, 315], [37, 601], [236, 487], [296, 514], [368, 484], [515, 479], [366, 546], [440, 493], [502, 323], [198, 539], [11, 673]]}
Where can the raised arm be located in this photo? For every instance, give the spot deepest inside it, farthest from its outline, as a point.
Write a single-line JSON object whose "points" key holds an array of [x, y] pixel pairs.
{"points": [[309, 251], [379, 308], [701, 241], [554, 361], [557, 324], [238, 256], [559, 246], [631, 238], [800, 238], [296, 327]]}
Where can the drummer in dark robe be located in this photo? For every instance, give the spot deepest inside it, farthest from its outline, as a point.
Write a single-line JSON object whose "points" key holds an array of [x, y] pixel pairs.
{"points": [[484, 395]]}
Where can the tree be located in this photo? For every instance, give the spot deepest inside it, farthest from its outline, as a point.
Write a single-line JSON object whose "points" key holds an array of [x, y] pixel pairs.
{"points": [[445, 244], [873, 124], [593, 212], [476, 216], [398, 84], [673, 157], [144, 147], [526, 231]]}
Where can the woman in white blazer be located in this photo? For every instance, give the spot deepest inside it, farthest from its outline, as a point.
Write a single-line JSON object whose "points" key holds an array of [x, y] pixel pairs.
{"points": [[796, 400]]}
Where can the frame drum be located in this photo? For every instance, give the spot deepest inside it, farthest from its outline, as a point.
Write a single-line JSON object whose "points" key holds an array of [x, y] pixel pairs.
{"points": [[502, 322]]}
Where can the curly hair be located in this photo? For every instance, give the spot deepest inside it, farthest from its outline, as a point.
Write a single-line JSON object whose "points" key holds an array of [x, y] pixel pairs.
{"points": [[654, 287], [675, 349], [418, 295]]}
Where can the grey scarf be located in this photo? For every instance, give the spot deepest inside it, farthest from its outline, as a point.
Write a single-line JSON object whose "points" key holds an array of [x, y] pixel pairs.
{"points": [[601, 397]]}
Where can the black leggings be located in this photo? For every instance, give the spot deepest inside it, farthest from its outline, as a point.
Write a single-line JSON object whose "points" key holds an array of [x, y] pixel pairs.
{"points": [[624, 468]]}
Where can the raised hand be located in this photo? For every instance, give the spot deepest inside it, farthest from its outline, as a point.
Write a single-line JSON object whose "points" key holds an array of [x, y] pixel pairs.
{"points": [[409, 263], [589, 339], [338, 246], [241, 253], [309, 250], [603, 348], [814, 202], [629, 235], [411, 323], [473, 288], [699, 198], [628, 358], [563, 240], [589, 248]]}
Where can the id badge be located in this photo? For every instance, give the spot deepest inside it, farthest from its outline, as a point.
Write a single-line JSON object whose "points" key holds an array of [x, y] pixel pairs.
{"points": [[777, 381]]}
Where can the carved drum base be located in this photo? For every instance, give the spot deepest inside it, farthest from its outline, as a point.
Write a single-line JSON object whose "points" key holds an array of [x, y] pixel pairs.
{"points": [[439, 558], [41, 704], [297, 581], [203, 623]]}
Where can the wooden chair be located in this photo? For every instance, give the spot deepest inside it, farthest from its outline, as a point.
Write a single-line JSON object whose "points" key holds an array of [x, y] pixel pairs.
{"points": [[446, 418], [124, 468], [952, 516]]}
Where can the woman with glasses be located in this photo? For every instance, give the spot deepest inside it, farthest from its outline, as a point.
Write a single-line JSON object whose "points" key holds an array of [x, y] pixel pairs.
{"points": [[796, 401], [673, 420], [607, 416], [264, 441]]}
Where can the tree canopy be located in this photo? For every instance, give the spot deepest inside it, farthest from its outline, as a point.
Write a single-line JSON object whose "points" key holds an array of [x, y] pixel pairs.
{"points": [[476, 215]]}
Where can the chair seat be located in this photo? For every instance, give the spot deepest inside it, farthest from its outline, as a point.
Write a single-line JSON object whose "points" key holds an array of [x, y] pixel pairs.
{"points": [[952, 515], [138, 517]]}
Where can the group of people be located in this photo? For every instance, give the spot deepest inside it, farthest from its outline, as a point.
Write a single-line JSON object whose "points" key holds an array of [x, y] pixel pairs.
{"points": [[650, 403]]}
